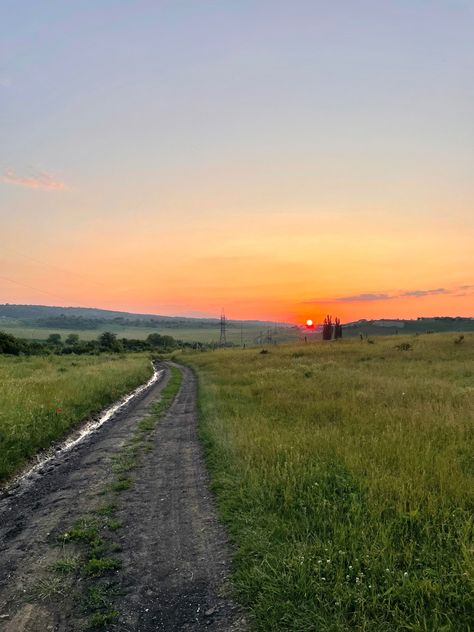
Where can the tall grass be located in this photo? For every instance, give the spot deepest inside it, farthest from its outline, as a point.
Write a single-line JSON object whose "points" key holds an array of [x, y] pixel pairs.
{"points": [[345, 474], [42, 397]]}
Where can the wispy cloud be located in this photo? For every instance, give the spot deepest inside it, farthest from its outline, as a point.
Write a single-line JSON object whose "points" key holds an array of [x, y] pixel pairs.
{"points": [[420, 293], [38, 180], [379, 296], [386, 296]]}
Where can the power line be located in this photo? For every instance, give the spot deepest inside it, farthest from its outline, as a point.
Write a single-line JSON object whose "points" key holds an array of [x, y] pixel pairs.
{"points": [[31, 287], [45, 264]]}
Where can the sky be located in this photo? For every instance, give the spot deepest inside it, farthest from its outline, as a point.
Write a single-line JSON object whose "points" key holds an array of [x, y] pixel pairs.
{"points": [[281, 160]]}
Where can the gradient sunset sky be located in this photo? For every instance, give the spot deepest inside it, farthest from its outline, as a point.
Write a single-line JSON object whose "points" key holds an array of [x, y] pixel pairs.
{"points": [[278, 159]]}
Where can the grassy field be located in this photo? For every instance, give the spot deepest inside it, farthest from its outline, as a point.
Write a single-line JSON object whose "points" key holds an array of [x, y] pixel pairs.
{"points": [[42, 397], [345, 474], [250, 333]]}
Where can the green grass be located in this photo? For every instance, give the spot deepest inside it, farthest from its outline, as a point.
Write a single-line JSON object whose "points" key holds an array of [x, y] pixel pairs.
{"points": [[167, 395], [67, 564], [41, 398], [97, 602], [100, 566], [100, 620], [345, 474], [122, 484]]}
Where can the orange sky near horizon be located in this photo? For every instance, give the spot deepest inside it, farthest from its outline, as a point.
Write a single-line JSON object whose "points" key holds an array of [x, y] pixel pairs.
{"points": [[280, 160], [297, 267]]}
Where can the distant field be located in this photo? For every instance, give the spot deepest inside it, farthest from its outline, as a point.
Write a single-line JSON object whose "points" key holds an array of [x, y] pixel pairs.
{"points": [[250, 334], [345, 474], [42, 397]]}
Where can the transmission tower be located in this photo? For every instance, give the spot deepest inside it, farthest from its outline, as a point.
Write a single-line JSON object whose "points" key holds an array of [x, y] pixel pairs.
{"points": [[222, 339]]}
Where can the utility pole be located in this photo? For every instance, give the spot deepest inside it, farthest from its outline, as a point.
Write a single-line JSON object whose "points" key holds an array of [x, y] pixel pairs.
{"points": [[241, 334], [223, 339]]}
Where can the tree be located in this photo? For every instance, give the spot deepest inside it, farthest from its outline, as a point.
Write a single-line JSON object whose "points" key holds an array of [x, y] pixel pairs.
{"points": [[72, 339], [133, 344], [157, 340], [108, 342], [337, 328], [327, 328], [11, 345], [54, 339]]}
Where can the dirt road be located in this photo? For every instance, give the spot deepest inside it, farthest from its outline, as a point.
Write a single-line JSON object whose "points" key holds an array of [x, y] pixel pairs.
{"points": [[172, 554]]}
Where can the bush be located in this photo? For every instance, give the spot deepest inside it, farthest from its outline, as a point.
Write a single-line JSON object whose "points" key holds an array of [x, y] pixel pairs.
{"points": [[11, 345]]}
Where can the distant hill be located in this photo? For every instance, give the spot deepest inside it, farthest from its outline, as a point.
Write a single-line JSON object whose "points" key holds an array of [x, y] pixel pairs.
{"points": [[82, 319], [92, 318], [390, 326]]}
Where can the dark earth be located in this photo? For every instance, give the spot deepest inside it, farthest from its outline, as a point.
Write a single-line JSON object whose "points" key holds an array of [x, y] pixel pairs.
{"points": [[174, 553]]}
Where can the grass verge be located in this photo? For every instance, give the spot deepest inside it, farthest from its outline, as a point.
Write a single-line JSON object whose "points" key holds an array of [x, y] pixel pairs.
{"points": [[345, 474]]}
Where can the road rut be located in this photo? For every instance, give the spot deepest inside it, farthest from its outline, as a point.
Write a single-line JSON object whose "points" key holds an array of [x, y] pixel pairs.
{"points": [[174, 553]]}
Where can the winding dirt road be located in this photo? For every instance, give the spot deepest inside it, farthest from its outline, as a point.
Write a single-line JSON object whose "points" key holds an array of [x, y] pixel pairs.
{"points": [[173, 552]]}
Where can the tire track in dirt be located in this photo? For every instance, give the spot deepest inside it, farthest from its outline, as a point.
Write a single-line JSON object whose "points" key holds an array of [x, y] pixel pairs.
{"points": [[175, 555], [183, 585]]}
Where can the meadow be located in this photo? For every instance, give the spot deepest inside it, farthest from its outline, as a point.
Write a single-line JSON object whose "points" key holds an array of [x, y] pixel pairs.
{"points": [[41, 398], [344, 472], [250, 334]]}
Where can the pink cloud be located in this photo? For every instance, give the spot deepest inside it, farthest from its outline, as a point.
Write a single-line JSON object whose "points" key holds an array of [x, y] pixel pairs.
{"points": [[39, 180]]}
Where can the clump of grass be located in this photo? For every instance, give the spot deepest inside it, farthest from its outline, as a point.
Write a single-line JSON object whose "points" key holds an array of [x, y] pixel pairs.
{"points": [[121, 484], [107, 510], [102, 619], [98, 602], [124, 462], [98, 567], [68, 564], [84, 530], [146, 425], [113, 524], [98, 596], [49, 587], [347, 495]]}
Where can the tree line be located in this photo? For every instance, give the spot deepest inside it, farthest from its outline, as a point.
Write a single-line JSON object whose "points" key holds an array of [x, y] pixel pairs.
{"points": [[107, 342]]}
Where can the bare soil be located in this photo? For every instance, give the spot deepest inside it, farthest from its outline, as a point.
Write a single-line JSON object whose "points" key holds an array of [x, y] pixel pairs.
{"points": [[174, 552]]}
